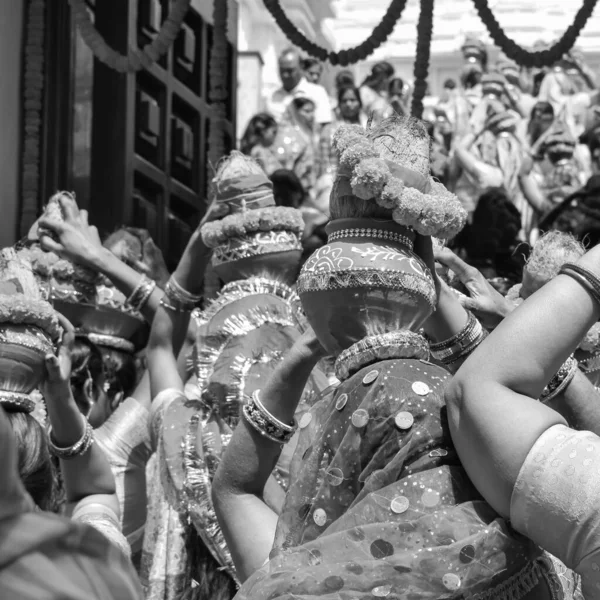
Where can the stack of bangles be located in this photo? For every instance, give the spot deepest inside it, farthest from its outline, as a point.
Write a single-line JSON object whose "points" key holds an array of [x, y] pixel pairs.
{"points": [[141, 294], [588, 280], [78, 448], [560, 381], [178, 299], [460, 345], [265, 423]]}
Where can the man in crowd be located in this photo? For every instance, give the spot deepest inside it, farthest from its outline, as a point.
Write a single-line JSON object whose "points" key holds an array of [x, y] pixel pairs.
{"points": [[295, 85]]}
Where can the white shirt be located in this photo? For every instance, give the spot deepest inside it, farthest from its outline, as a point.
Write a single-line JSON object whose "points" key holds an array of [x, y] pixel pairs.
{"points": [[281, 99]]}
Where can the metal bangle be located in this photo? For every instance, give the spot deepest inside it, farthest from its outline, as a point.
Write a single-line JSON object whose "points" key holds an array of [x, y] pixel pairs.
{"points": [[457, 338], [269, 416], [183, 293], [585, 278], [560, 381], [178, 309], [264, 426], [78, 448]]}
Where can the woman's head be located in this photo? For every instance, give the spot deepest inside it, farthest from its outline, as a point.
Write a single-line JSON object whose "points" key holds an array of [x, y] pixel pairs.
{"points": [[287, 188], [305, 111], [379, 76], [313, 69], [344, 78], [100, 379], [262, 129], [541, 119], [349, 103], [36, 469]]}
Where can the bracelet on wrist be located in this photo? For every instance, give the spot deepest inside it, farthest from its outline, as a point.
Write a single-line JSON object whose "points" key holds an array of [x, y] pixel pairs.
{"points": [[141, 294], [265, 423], [179, 298], [588, 280], [78, 448], [460, 345], [560, 381]]}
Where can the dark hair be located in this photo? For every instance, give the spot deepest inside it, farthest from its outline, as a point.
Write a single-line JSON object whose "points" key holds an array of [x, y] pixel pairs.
{"points": [[380, 72], [286, 185], [342, 90], [302, 102], [258, 124], [344, 78], [307, 63], [470, 78], [396, 87], [36, 468], [116, 370], [543, 108], [449, 84], [492, 236]]}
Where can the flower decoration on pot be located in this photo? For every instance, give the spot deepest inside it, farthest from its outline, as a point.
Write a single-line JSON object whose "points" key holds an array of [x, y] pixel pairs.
{"points": [[370, 171], [59, 279], [250, 229], [29, 328]]}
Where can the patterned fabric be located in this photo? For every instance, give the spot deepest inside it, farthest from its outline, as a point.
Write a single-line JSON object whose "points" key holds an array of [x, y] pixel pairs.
{"points": [[163, 563], [379, 504], [125, 440], [104, 520], [555, 501]]}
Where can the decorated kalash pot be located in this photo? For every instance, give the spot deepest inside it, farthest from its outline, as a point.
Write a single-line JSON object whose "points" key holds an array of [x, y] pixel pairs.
{"points": [[29, 329], [379, 505], [241, 337], [367, 280], [60, 280]]}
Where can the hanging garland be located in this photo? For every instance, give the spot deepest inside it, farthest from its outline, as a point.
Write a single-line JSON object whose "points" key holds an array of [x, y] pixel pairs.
{"points": [[33, 105], [544, 58], [344, 57], [218, 92], [137, 59], [421, 68]]}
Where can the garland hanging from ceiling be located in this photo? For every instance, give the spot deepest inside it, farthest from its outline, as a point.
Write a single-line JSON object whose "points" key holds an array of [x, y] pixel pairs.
{"points": [[136, 59], [544, 58], [218, 73], [344, 57], [421, 68]]}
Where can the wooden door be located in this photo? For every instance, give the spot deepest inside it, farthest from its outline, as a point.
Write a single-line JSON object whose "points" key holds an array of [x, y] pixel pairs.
{"points": [[150, 129]]}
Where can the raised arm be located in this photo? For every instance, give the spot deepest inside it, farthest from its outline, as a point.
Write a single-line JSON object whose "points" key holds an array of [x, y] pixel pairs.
{"points": [[239, 484], [85, 469], [494, 416], [170, 326], [80, 243]]}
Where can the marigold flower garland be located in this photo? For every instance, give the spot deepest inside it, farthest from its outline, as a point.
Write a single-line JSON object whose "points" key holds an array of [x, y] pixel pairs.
{"points": [[344, 57], [137, 59], [218, 72], [421, 68], [544, 58], [32, 97], [437, 213]]}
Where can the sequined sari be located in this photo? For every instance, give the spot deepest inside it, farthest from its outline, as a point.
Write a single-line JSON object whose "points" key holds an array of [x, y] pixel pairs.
{"points": [[379, 505]]}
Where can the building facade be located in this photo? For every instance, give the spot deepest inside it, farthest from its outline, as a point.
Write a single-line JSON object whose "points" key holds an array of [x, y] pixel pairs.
{"points": [[132, 146]]}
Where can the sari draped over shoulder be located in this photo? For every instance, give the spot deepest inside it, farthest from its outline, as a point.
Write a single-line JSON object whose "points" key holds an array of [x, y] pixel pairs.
{"points": [[379, 505], [125, 440], [242, 336]]}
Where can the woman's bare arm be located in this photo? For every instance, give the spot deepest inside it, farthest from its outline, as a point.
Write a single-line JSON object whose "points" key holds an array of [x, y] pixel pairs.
{"points": [[239, 484], [494, 416]]}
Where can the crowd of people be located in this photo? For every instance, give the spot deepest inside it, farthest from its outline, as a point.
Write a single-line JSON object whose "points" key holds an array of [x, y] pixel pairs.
{"points": [[393, 393]]}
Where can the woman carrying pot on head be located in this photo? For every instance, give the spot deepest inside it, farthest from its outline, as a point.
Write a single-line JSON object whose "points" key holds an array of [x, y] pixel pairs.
{"points": [[378, 504]]}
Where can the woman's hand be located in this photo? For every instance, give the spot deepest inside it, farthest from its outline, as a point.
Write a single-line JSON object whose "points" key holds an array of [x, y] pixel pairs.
{"points": [[57, 385], [488, 305], [75, 240]]}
